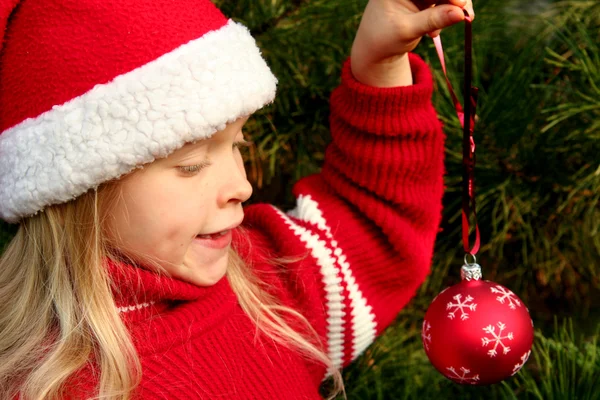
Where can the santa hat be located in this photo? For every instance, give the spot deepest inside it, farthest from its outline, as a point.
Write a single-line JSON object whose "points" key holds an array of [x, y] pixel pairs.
{"points": [[92, 89]]}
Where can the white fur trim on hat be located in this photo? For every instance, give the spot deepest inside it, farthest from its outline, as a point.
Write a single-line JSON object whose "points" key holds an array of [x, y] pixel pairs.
{"points": [[183, 96]]}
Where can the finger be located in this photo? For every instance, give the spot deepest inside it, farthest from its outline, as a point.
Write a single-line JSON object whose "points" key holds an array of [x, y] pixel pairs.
{"points": [[435, 33], [435, 18], [422, 4], [469, 8], [457, 3], [465, 4]]}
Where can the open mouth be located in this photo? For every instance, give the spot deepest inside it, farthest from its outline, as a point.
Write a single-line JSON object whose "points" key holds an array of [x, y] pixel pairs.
{"points": [[218, 240], [213, 235]]}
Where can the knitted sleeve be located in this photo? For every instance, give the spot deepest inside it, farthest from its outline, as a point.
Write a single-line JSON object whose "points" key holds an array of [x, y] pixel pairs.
{"points": [[360, 240]]}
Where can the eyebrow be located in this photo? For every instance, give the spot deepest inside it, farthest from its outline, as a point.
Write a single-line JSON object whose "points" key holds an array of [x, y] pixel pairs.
{"points": [[192, 148], [190, 152]]}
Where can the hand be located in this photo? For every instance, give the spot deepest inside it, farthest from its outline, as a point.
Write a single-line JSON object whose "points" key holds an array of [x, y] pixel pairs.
{"points": [[389, 29]]}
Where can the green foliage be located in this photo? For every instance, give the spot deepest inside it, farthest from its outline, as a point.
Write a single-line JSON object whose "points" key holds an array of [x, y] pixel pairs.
{"points": [[305, 43], [538, 168], [538, 176], [7, 231], [561, 367]]}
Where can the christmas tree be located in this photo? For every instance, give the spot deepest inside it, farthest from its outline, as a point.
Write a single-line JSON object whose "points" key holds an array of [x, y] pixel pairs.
{"points": [[537, 65]]}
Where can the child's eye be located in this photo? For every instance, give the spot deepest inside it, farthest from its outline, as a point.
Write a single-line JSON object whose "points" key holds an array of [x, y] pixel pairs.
{"points": [[192, 169]]}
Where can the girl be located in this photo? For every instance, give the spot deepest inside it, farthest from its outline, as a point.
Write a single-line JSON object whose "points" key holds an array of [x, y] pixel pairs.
{"points": [[130, 275]]}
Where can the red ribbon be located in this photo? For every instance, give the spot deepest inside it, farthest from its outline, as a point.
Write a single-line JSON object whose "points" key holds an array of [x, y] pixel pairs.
{"points": [[467, 122]]}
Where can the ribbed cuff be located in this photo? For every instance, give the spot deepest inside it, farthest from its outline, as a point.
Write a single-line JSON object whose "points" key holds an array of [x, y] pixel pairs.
{"points": [[383, 111]]}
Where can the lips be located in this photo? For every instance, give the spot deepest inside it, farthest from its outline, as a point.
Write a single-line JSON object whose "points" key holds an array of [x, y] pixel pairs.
{"points": [[218, 240], [213, 235]]}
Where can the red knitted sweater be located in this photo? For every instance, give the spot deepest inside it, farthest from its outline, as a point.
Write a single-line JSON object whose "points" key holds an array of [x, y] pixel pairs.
{"points": [[361, 237]]}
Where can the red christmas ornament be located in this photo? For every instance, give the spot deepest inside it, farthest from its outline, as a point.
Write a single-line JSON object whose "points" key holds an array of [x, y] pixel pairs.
{"points": [[477, 332]]}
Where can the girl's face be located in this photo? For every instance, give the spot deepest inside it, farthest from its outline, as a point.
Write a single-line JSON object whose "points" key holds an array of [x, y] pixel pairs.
{"points": [[179, 211]]}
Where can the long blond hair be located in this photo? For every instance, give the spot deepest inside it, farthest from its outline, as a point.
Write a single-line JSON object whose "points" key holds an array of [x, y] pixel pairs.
{"points": [[57, 312]]}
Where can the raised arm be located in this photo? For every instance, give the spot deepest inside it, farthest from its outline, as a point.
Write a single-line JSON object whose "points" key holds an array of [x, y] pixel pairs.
{"points": [[366, 225]]}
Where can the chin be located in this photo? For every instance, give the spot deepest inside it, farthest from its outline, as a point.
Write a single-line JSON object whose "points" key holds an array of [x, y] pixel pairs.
{"points": [[210, 275], [210, 280]]}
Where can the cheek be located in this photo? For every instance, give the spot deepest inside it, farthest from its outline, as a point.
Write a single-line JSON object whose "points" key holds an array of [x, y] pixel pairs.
{"points": [[160, 226]]}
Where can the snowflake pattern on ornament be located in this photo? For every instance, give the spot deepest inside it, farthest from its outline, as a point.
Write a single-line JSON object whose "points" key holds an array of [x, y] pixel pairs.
{"points": [[459, 305], [496, 339], [425, 335], [524, 359], [506, 294], [463, 378]]}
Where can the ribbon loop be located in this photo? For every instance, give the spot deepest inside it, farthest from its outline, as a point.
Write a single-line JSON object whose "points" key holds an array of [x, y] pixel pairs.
{"points": [[466, 117]]}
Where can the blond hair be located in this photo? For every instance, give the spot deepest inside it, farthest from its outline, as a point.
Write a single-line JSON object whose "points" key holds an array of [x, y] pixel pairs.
{"points": [[57, 312]]}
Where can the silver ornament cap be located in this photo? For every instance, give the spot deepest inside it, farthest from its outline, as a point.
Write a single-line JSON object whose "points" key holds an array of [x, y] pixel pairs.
{"points": [[470, 271]]}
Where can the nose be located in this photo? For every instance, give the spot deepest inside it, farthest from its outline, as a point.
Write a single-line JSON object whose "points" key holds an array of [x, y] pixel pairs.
{"points": [[235, 187]]}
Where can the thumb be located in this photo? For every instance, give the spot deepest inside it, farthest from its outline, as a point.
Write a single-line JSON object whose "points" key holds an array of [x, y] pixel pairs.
{"points": [[435, 18]]}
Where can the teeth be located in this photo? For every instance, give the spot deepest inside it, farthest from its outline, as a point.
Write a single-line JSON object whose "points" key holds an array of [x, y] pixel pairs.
{"points": [[213, 235]]}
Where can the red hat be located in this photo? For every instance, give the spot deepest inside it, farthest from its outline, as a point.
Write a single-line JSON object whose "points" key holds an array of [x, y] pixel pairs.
{"points": [[92, 89]]}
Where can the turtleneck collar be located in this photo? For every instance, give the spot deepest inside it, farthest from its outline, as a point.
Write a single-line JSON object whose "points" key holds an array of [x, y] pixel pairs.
{"points": [[140, 293]]}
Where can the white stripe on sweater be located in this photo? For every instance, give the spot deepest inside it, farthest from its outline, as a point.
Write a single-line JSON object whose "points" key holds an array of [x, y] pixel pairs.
{"points": [[363, 320], [332, 283], [134, 307]]}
